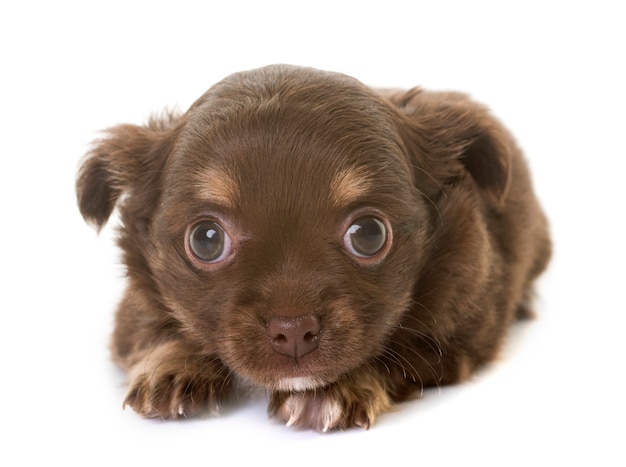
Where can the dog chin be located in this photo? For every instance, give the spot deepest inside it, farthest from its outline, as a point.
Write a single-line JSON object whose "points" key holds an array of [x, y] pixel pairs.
{"points": [[298, 384]]}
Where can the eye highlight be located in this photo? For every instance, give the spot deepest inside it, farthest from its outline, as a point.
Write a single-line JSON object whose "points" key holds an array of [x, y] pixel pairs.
{"points": [[367, 237], [208, 242]]}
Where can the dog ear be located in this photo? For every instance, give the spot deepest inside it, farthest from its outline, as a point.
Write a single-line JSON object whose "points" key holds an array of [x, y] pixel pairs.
{"points": [[450, 134], [128, 160]]}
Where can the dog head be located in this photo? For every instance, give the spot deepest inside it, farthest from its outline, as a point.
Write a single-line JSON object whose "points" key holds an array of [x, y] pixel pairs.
{"points": [[282, 223]]}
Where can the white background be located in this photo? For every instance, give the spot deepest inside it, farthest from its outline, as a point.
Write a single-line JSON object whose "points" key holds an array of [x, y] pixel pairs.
{"points": [[552, 71]]}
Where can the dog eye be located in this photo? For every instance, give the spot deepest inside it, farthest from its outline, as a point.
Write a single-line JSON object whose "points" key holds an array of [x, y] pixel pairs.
{"points": [[366, 237], [209, 242]]}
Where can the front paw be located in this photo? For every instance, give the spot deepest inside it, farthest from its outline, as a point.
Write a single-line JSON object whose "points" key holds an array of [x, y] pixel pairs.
{"points": [[354, 401], [169, 386]]}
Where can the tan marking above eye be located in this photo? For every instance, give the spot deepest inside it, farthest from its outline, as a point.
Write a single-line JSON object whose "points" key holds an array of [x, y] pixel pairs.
{"points": [[217, 186], [348, 185]]}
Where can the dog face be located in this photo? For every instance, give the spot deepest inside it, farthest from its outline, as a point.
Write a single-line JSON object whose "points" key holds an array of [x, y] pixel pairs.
{"points": [[288, 234], [335, 244]]}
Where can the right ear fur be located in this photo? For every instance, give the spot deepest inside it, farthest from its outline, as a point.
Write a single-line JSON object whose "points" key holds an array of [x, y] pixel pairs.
{"points": [[456, 135], [128, 160]]}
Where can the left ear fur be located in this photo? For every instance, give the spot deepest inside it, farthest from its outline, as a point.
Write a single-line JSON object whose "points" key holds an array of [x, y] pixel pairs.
{"points": [[127, 161], [450, 134]]}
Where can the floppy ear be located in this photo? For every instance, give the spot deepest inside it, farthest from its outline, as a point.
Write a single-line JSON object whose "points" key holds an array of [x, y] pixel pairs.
{"points": [[128, 160], [452, 134]]}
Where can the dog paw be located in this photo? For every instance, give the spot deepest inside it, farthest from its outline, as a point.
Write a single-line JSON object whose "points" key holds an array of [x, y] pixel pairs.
{"points": [[171, 396], [175, 389], [352, 402]]}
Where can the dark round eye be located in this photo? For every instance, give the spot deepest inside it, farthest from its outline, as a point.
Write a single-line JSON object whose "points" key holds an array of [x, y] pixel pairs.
{"points": [[209, 242], [366, 237]]}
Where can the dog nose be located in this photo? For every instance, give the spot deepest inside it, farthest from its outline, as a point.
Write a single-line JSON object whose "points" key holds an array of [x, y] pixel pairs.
{"points": [[294, 337]]}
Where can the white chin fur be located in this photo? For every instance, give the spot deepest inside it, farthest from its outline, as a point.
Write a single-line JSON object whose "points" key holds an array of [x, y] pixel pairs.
{"points": [[298, 384]]}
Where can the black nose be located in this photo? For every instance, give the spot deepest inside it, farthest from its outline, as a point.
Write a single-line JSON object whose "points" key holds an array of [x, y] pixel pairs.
{"points": [[294, 337]]}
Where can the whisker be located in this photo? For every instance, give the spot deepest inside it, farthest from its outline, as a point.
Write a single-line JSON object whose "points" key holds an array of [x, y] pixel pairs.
{"points": [[415, 376], [382, 362], [393, 355], [437, 375], [429, 340], [425, 308]]}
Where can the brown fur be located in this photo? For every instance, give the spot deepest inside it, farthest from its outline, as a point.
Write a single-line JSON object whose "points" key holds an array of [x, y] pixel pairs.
{"points": [[285, 159]]}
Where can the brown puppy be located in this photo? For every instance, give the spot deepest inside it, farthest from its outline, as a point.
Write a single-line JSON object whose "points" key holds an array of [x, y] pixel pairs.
{"points": [[342, 247]]}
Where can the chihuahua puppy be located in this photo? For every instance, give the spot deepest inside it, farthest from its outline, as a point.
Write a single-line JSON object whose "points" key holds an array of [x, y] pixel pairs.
{"points": [[341, 246]]}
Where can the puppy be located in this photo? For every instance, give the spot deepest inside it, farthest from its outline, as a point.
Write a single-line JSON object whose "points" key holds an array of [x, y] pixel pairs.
{"points": [[341, 246]]}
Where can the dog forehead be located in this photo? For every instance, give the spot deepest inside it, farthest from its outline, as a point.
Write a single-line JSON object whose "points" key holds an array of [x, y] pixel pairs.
{"points": [[292, 177], [297, 140], [279, 179]]}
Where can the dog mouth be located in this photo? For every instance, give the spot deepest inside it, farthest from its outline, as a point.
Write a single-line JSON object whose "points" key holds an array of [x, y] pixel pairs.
{"points": [[286, 373], [282, 373], [299, 384]]}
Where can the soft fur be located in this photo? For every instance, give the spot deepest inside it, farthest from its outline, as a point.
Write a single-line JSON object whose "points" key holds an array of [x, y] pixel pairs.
{"points": [[285, 160]]}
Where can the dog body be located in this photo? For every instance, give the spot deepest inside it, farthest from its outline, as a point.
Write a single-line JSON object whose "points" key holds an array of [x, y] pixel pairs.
{"points": [[341, 246]]}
